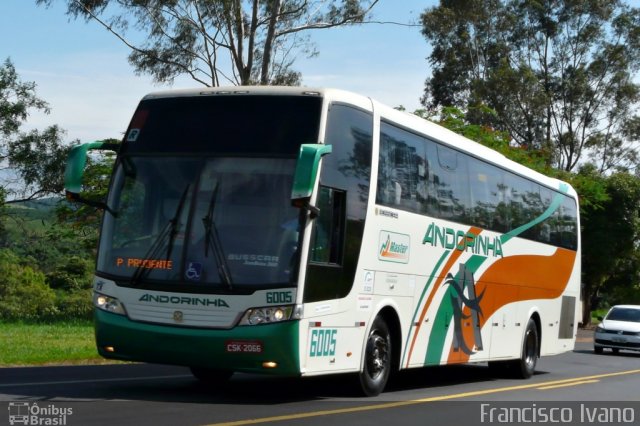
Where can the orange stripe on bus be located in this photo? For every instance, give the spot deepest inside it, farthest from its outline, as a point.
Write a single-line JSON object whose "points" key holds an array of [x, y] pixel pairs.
{"points": [[454, 257], [529, 277]]}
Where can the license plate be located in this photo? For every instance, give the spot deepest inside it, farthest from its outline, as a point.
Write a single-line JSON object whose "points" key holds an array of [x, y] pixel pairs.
{"points": [[243, 346], [619, 339]]}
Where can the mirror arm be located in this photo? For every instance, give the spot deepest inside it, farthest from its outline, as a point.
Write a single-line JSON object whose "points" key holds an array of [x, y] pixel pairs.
{"points": [[75, 197], [304, 204]]}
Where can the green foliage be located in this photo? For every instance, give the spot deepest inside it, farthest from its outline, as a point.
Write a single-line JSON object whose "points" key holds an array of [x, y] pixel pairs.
{"points": [[73, 275], [558, 74], [456, 120], [75, 304], [591, 185], [45, 264], [59, 267], [16, 99], [37, 157], [27, 294], [611, 224], [80, 221], [24, 295]]}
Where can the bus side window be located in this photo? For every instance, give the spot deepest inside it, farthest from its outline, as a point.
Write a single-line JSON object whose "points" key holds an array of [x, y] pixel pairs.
{"points": [[484, 183], [403, 170], [569, 224], [328, 232], [563, 225], [544, 235], [453, 189]]}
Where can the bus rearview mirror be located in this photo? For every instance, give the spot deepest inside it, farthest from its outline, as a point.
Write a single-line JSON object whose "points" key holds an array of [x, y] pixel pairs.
{"points": [[76, 162], [306, 174]]}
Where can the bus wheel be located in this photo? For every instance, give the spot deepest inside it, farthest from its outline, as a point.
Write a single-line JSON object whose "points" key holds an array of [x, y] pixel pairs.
{"points": [[377, 359], [526, 365], [211, 375]]}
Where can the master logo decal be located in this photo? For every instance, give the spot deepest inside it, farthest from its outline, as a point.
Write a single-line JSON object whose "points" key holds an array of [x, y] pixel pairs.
{"points": [[394, 247]]}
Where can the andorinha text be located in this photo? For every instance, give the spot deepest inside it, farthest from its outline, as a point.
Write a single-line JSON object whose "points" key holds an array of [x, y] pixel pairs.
{"points": [[450, 239], [183, 300]]}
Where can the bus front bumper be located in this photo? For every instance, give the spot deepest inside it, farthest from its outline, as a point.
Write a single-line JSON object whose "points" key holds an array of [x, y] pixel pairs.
{"points": [[265, 349]]}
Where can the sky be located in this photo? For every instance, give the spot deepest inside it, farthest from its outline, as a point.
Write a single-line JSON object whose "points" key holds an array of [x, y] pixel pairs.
{"points": [[82, 71]]}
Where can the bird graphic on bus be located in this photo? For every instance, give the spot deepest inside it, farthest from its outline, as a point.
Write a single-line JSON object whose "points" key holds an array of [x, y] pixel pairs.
{"points": [[461, 282]]}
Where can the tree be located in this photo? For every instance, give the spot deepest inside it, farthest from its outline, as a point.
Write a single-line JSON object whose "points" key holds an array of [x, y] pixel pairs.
{"points": [[81, 221], [610, 209], [39, 158], [457, 121], [558, 73], [219, 42], [35, 159], [23, 292]]}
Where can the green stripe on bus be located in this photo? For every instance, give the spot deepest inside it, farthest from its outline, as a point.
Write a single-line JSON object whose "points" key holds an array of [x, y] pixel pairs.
{"points": [[555, 204], [445, 311], [424, 292], [444, 315]]}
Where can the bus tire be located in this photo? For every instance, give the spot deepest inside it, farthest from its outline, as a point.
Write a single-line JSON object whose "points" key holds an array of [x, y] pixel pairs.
{"points": [[524, 367], [211, 375], [377, 359]]}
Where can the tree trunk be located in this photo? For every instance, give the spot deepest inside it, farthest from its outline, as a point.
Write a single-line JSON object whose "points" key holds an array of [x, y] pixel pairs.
{"points": [[268, 43], [586, 309]]}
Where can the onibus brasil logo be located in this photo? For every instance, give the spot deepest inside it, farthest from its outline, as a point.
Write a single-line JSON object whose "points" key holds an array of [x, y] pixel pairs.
{"points": [[26, 413]]}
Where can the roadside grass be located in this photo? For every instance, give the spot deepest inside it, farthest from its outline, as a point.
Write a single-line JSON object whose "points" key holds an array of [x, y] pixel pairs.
{"points": [[23, 344]]}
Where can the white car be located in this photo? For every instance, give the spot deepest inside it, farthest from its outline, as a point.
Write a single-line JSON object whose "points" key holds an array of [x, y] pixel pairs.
{"points": [[620, 329]]}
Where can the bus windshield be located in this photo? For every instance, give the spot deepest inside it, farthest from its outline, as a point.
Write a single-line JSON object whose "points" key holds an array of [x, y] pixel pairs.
{"points": [[220, 221], [197, 215]]}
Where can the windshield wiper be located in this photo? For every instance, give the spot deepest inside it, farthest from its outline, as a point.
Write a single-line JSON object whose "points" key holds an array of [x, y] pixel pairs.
{"points": [[170, 230], [213, 240]]}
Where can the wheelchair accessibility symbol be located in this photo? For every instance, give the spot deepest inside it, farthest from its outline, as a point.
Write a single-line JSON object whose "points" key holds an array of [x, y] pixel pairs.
{"points": [[194, 271]]}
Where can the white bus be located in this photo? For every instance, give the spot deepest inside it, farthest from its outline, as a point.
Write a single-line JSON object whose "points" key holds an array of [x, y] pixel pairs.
{"points": [[300, 232]]}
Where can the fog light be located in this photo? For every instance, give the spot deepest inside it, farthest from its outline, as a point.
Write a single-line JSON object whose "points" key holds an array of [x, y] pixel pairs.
{"points": [[278, 315], [266, 315], [269, 364], [257, 316], [109, 349]]}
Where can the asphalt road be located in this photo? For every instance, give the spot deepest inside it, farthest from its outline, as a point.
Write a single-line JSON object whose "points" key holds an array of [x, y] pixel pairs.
{"points": [[579, 384]]}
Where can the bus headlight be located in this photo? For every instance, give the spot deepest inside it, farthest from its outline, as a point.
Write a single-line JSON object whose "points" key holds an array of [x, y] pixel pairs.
{"points": [[109, 304], [266, 315]]}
